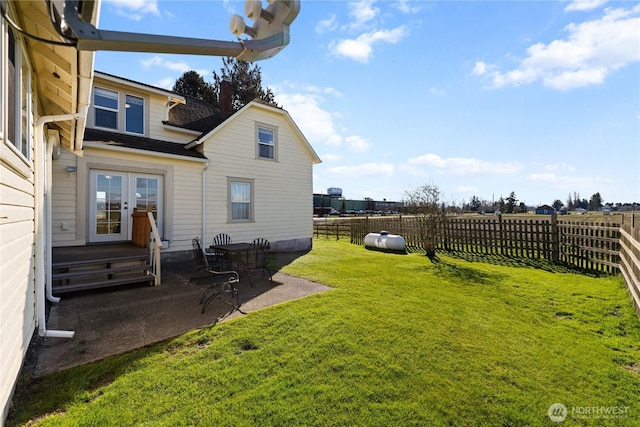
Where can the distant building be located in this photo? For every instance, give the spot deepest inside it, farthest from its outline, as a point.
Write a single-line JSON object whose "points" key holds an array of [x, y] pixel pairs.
{"points": [[545, 210], [334, 192]]}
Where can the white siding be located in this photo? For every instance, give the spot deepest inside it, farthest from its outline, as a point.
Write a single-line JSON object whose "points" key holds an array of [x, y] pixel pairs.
{"points": [[283, 189], [182, 194], [17, 283], [154, 104]]}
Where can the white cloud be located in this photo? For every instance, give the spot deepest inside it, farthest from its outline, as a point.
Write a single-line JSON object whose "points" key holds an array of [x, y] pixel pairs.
{"points": [[404, 6], [357, 144], [562, 167], [330, 157], [166, 83], [378, 169], [464, 166], [328, 24], [480, 68], [134, 9], [362, 11], [163, 62], [436, 91], [571, 183], [591, 51], [582, 5], [361, 48], [316, 123]]}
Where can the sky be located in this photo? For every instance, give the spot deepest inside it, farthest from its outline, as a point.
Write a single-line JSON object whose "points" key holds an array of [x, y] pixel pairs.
{"points": [[479, 98]]}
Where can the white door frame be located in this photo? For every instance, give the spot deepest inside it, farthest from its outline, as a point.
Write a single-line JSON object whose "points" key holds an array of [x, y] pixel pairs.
{"points": [[131, 190]]}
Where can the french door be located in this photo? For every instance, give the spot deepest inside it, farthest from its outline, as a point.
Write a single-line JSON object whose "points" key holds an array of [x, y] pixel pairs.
{"points": [[114, 195]]}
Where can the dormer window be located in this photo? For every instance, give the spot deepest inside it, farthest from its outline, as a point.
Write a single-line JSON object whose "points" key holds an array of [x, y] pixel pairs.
{"points": [[107, 104]]}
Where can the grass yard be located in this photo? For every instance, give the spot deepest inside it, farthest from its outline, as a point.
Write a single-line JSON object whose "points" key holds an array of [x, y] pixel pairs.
{"points": [[400, 341]]}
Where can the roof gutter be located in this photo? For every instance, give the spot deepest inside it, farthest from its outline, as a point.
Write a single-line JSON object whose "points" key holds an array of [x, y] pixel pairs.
{"points": [[43, 178]]}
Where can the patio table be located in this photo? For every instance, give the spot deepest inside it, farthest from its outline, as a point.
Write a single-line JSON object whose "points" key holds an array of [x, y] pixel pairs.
{"points": [[235, 250]]}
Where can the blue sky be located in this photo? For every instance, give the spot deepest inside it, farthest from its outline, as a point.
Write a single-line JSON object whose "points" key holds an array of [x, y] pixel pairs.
{"points": [[541, 98]]}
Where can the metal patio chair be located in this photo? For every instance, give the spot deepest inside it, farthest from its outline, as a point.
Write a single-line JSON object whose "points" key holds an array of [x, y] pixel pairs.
{"points": [[218, 283], [219, 259], [259, 257]]}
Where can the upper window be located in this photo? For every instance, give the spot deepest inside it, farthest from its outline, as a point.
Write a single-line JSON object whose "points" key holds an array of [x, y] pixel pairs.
{"points": [[105, 103], [135, 114], [240, 200], [266, 143]]}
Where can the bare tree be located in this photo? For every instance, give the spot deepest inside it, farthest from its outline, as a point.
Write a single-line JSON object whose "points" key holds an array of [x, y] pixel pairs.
{"points": [[425, 204]]}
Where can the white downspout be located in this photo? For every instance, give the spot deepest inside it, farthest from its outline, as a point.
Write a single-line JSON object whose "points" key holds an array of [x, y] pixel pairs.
{"points": [[43, 223], [204, 202]]}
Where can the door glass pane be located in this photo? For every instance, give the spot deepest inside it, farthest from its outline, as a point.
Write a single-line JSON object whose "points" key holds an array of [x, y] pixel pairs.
{"points": [[147, 195], [108, 204]]}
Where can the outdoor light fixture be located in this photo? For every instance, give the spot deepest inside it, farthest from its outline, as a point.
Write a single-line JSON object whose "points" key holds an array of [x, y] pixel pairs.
{"points": [[269, 34], [71, 169]]}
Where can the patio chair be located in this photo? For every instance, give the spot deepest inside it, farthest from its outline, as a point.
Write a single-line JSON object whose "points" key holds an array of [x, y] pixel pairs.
{"points": [[217, 283], [220, 260], [259, 257], [200, 259]]}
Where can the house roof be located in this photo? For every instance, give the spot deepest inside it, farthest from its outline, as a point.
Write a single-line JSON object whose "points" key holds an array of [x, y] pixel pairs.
{"points": [[260, 104], [121, 140], [545, 207], [195, 114]]}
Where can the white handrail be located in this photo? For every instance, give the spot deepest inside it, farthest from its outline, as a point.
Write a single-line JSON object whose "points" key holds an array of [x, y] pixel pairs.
{"points": [[154, 249]]}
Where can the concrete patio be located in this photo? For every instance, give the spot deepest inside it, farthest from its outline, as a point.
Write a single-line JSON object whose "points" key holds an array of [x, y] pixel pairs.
{"points": [[108, 322]]}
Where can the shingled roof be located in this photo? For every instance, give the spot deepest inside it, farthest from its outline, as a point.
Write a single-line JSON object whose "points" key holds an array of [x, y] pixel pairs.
{"points": [[115, 139], [196, 115]]}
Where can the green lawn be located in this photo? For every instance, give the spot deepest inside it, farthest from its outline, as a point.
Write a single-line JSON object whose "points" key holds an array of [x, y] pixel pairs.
{"points": [[400, 341]]}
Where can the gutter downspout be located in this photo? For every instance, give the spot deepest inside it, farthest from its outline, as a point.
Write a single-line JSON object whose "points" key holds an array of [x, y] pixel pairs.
{"points": [[204, 201], [43, 223]]}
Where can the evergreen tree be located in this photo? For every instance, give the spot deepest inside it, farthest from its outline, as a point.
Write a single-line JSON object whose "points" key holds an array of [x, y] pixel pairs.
{"points": [[557, 204], [191, 83], [246, 79], [595, 202], [511, 202]]}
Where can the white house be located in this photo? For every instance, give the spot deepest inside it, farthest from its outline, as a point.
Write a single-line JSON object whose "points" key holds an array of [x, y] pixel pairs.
{"points": [[45, 90], [201, 171], [197, 178]]}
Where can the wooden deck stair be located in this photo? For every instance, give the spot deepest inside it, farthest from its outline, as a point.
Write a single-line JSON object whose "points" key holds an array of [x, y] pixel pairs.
{"points": [[91, 267]]}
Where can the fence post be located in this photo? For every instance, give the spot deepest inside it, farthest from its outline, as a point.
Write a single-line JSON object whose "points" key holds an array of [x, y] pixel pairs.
{"points": [[555, 239]]}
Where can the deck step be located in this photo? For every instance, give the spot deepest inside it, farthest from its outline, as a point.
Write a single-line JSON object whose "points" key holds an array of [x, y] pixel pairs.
{"points": [[97, 261], [85, 285], [100, 267], [100, 271]]}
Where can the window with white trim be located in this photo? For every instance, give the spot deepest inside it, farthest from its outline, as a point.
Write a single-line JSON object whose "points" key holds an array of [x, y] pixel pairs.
{"points": [[266, 143], [105, 104], [134, 116], [240, 200]]}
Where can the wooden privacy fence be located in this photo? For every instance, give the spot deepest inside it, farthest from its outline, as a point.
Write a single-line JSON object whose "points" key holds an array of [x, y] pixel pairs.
{"points": [[588, 244], [332, 229]]}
